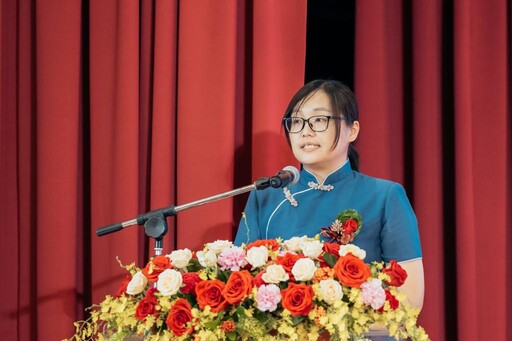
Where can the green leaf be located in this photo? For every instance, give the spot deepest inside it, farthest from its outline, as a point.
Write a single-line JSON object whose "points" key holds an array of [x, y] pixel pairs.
{"points": [[260, 316], [231, 336], [350, 213], [223, 276], [330, 259], [194, 265], [297, 319], [212, 325], [240, 311]]}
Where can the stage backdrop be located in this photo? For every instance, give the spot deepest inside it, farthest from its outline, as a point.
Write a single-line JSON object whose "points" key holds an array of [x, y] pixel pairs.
{"points": [[113, 108], [433, 80]]}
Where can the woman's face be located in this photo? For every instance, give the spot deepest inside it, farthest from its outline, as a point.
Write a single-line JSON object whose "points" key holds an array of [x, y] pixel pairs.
{"points": [[314, 149]]}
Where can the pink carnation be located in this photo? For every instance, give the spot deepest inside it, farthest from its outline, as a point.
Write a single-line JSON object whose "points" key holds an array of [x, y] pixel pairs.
{"points": [[232, 259], [268, 297], [373, 293]]}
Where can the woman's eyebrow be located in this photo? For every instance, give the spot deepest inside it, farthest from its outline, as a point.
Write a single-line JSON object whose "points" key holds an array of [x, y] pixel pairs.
{"points": [[314, 109], [321, 109]]}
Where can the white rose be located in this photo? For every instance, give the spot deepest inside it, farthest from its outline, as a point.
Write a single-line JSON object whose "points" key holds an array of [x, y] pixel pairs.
{"points": [[330, 290], [275, 273], [180, 258], [169, 282], [219, 245], [137, 284], [207, 259], [353, 249], [304, 269], [294, 244], [257, 256], [312, 249]]}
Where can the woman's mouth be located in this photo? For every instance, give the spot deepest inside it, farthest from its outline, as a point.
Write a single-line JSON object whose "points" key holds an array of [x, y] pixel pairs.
{"points": [[309, 146]]}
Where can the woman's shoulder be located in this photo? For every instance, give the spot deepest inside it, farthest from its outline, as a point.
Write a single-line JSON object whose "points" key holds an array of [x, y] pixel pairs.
{"points": [[378, 183], [389, 192]]}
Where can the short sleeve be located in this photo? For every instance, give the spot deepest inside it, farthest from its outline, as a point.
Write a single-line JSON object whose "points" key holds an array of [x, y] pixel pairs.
{"points": [[399, 235], [248, 229]]}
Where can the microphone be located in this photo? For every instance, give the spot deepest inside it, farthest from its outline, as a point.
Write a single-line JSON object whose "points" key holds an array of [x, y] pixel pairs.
{"points": [[154, 221], [286, 177]]}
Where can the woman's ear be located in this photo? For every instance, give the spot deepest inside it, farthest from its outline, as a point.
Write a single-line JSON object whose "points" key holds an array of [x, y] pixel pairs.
{"points": [[353, 131]]}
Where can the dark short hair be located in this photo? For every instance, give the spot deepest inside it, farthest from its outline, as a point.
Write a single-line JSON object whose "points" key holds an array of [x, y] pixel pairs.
{"points": [[343, 103]]}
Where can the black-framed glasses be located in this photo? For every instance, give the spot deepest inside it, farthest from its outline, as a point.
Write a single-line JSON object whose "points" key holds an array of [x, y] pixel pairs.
{"points": [[317, 123]]}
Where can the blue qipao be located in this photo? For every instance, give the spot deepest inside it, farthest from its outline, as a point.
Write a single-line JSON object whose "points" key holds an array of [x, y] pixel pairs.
{"points": [[389, 231]]}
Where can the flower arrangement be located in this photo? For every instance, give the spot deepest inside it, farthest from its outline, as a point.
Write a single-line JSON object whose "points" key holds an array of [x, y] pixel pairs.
{"points": [[299, 289], [345, 227]]}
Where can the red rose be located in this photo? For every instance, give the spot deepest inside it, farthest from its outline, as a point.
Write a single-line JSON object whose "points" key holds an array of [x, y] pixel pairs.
{"points": [[150, 294], [393, 302], [238, 286], [270, 244], [351, 271], [332, 248], [288, 261], [258, 281], [350, 226], [190, 279], [210, 293], [122, 288], [144, 308], [147, 305], [298, 299], [155, 267], [397, 274], [179, 316]]}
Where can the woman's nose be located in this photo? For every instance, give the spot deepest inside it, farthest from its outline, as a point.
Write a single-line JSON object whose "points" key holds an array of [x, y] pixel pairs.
{"points": [[307, 131]]}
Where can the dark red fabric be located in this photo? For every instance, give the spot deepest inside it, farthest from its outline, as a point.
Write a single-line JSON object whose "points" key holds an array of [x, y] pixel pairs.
{"points": [[110, 109], [433, 82], [482, 111], [379, 87]]}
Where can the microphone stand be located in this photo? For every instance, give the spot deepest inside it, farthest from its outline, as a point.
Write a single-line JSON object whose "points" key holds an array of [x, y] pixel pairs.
{"points": [[155, 223]]}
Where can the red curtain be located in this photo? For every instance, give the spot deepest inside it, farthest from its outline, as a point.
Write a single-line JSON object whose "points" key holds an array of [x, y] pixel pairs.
{"points": [[433, 82], [110, 109]]}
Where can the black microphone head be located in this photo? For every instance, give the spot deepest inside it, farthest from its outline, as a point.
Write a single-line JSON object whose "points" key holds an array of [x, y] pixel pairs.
{"points": [[295, 173], [288, 176]]}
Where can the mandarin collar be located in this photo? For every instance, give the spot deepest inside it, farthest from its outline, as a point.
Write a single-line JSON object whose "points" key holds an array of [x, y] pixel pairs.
{"points": [[339, 174]]}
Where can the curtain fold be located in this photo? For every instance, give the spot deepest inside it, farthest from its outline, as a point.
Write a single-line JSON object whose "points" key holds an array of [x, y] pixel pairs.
{"points": [[9, 168], [114, 142], [18, 318], [111, 109], [203, 137], [482, 143], [58, 93], [378, 84], [427, 141], [433, 82], [274, 53], [205, 122], [162, 112]]}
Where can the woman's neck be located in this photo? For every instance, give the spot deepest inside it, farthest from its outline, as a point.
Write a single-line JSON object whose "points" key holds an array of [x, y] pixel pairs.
{"points": [[322, 173]]}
